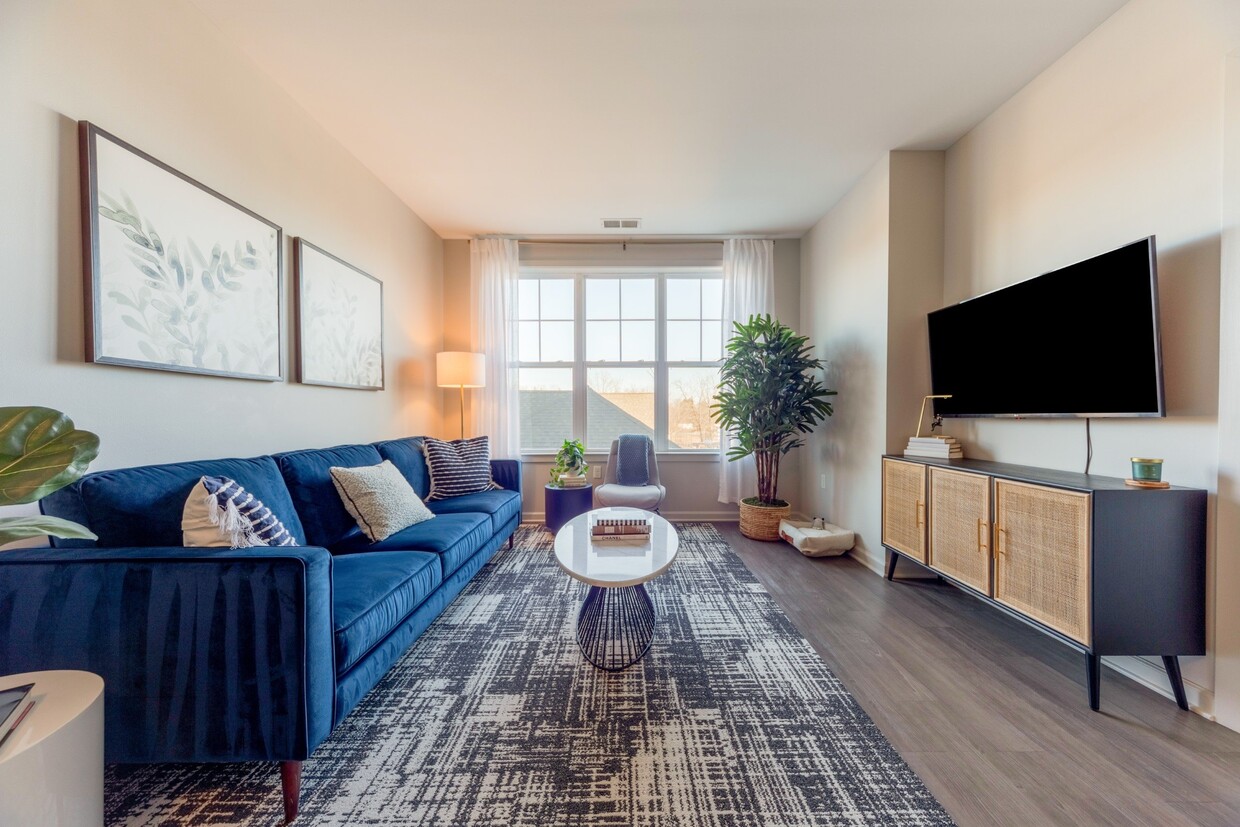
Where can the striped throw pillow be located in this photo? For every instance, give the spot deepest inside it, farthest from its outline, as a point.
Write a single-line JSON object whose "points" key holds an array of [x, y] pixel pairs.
{"points": [[462, 466], [219, 513]]}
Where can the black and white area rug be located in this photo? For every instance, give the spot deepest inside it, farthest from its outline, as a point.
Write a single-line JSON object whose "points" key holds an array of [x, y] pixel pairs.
{"points": [[493, 718]]}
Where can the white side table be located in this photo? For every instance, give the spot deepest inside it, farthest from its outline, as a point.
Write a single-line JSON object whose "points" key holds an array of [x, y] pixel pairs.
{"points": [[615, 625], [51, 768]]}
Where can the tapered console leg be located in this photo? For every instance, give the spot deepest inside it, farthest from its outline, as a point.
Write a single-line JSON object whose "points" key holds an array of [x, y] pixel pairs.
{"points": [[1093, 674], [891, 564], [290, 782], [1172, 662]]}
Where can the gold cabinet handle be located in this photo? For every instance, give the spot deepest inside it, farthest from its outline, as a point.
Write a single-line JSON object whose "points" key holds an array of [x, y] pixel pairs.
{"points": [[921, 513], [981, 535], [999, 532]]}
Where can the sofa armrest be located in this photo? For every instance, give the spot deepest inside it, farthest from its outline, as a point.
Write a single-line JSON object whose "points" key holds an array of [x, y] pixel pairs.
{"points": [[206, 654], [507, 473]]}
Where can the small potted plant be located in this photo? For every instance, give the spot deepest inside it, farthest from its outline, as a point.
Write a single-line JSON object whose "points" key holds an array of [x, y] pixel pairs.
{"points": [[570, 465], [769, 398]]}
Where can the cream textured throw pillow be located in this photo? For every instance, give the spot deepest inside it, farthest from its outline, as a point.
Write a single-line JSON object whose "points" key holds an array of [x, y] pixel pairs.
{"points": [[380, 499]]}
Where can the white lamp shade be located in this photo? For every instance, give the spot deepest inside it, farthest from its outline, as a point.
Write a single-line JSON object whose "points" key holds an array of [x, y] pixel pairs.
{"points": [[459, 369]]}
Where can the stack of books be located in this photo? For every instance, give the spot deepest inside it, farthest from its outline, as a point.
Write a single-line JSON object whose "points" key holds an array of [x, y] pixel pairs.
{"points": [[574, 481], [934, 447], [620, 529]]}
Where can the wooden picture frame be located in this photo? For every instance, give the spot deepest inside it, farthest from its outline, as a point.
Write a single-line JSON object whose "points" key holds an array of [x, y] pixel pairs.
{"points": [[339, 321], [153, 298]]}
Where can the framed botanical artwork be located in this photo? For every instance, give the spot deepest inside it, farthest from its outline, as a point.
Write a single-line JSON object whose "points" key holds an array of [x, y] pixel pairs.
{"points": [[339, 321], [177, 276]]}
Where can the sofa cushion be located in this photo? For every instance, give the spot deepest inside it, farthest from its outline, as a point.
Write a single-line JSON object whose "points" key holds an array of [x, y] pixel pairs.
{"points": [[500, 506], [461, 466], [453, 537], [379, 498], [314, 494], [406, 454], [220, 513], [372, 594], [141, 507]]}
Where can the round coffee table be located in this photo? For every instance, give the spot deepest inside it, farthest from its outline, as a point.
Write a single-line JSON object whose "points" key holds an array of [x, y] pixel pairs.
{"points": [[615, 625]]}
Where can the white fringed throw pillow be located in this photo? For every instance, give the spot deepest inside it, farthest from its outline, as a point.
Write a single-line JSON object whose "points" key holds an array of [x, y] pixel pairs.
{"points": [[219, 513]]}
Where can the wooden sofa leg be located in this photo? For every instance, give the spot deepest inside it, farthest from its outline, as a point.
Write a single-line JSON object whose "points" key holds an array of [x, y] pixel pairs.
{"points": [[512, 538], [290, 782]]}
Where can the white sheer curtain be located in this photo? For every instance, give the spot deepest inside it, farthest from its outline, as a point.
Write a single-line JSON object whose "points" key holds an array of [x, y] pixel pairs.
{"points": [[748, 290], [494, 268]]}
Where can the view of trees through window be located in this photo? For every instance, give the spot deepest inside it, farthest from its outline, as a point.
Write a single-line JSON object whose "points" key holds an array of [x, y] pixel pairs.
{"points": [[609, 354]]}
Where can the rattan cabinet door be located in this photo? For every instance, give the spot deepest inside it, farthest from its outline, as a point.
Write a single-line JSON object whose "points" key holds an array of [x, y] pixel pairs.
{"points": [[1042, 555], [960, 527], [904, 507]]}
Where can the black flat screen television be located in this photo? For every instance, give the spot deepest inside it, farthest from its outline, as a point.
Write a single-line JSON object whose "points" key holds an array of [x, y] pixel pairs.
{"points": [[1080, 341]]}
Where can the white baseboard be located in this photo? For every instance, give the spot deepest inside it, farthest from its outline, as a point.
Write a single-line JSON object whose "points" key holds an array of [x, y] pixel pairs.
{"points": [[874, 563], [1151, 674]]}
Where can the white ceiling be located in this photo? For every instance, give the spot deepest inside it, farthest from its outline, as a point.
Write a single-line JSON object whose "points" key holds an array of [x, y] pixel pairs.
{"points": [[701, 117]]}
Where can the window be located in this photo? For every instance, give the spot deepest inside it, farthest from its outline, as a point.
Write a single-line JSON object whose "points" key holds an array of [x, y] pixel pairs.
{"points": [[604, 354], [545, 335]]}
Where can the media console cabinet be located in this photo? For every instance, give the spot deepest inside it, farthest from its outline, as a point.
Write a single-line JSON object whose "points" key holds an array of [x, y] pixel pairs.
{"points": [[1104, 567]]}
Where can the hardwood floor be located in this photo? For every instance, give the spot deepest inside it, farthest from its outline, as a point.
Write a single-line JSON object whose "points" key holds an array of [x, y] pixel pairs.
{"points": [[992, 714]]}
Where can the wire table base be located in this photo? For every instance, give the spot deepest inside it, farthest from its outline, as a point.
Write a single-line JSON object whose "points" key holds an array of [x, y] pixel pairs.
{"points": [[615, 626]]}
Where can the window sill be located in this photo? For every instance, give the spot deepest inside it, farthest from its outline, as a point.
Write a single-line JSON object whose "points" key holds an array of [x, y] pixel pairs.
{"points": [[601, 458]]}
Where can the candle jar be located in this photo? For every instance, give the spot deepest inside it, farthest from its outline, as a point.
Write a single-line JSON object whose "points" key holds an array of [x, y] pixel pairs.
{"points": [[1146, 470]]}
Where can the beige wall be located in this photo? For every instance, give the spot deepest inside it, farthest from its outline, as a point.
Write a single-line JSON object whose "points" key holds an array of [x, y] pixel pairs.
{"points": [[914, 286], [844, 267], [1119, 139], [870, 271], [1227, 554], [157, 74], [788, 310], [456, 333], [692, 483]]}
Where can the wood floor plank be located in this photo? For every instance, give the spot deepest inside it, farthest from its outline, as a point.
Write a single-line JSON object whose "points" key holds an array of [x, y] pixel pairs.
{"points": [[1210, 815], [991, 713], [971, 789]]}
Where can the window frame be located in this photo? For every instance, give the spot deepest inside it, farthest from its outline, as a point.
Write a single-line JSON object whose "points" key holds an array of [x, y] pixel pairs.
{"points": [[661, 366]]}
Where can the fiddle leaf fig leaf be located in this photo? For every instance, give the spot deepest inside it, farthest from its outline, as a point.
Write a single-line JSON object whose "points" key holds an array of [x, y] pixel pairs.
{"points": [[40, 452], [23, 528]]}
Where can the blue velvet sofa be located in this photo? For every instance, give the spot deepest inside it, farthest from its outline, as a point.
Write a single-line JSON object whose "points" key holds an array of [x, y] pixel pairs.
{"points": [[240, 654]]}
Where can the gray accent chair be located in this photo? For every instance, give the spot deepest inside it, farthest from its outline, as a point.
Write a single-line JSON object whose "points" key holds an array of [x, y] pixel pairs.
{"points": [[648, 497]]}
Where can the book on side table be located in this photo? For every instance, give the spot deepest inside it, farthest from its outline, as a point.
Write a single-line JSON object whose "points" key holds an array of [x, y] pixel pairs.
{"points": [[620, 529]]}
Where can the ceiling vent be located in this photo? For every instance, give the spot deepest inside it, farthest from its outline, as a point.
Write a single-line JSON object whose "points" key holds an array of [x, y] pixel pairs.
{"points": [[621, 223]]}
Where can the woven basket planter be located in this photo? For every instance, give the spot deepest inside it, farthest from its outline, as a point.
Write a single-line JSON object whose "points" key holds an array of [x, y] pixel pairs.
{"points": [[761, 522]]}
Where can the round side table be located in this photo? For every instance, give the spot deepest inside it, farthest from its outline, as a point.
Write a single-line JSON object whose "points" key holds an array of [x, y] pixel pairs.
{"points": [[615, 625], [562, 504], [51, 767]]}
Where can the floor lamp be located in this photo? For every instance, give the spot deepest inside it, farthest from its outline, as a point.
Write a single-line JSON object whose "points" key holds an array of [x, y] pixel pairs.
{"points": [[461, 370]]}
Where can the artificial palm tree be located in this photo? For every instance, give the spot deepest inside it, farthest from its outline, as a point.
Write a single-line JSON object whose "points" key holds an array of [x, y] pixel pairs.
{"points": [[769, 399]]}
